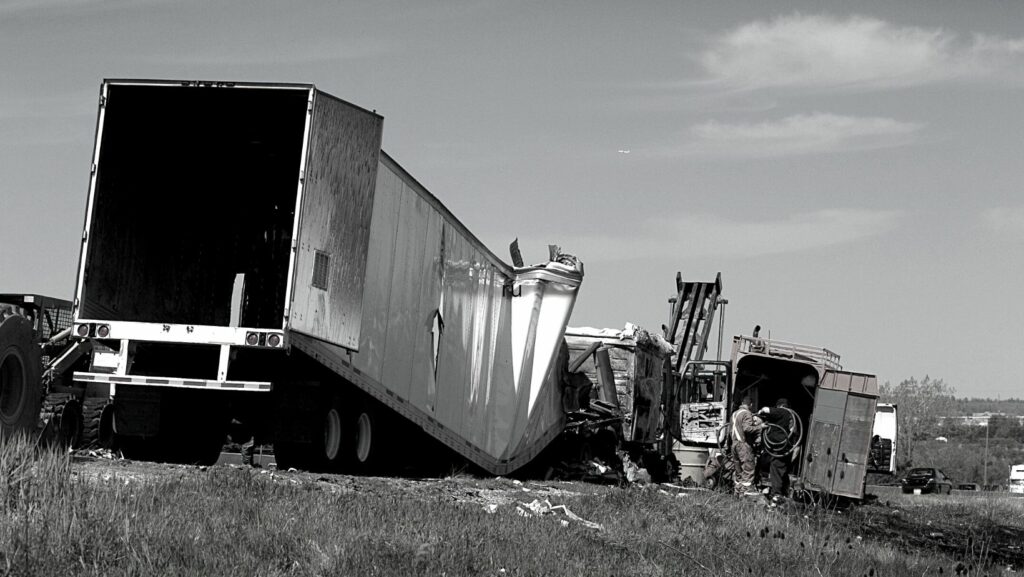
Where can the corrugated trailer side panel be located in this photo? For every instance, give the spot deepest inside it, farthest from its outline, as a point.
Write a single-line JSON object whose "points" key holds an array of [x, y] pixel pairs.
{"points": [[380, 265], [404, 312], [410, 323], [334, 221], [475, 376], [423, 386], [468, 385]]}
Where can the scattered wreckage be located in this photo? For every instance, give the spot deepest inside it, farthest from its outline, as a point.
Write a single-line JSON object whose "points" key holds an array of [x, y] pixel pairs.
{"points": [[251, 254], [668, 408]]}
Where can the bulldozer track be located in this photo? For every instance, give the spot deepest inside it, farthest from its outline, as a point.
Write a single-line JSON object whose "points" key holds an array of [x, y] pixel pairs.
{"points": [[62, 419], [92, 414]]}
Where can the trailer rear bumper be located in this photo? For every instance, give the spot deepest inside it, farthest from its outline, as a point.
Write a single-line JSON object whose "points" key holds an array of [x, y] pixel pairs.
{"points": [[255, 386], [182, 334]]}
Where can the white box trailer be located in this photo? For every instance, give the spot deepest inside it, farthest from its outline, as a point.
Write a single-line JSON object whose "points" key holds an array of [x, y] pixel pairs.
{"points": [[249, 251], [1016, 479], [884, 440]]}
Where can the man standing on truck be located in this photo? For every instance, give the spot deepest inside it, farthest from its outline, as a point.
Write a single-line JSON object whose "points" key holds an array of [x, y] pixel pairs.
{"points": [[745, 428], [778, 422]]}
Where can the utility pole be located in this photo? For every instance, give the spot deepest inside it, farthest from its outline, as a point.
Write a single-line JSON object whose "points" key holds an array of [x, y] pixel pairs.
{"points": [[984, 482]]}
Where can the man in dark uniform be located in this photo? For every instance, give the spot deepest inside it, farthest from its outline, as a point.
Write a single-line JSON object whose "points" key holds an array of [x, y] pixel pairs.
{"points": [[778, 422]]}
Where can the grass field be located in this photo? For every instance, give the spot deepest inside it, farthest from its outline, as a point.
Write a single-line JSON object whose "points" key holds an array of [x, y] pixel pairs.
{"points": [[63, 517]]}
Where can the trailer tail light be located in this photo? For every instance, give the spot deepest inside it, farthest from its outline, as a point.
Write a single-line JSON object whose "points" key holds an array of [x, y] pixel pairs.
{"points": [[82, 330], [103, 331], [274, 340], [252, 339]]}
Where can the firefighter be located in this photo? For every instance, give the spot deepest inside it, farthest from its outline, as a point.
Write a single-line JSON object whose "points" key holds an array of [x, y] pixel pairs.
{"points": [[745, 428], [778, 445]]}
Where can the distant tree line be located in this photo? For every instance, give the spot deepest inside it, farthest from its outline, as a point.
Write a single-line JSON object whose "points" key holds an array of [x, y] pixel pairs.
{"points": [[999, 427], [921, 406], [975, 405]]}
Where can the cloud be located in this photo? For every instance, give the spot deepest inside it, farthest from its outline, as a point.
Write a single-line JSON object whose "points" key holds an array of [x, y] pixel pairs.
{"points": [[1005, 220], [708, 235], [794, 135], [826, 52]]}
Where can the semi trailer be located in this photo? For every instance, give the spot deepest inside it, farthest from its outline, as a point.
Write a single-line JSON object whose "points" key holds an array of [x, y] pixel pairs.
{"points": [[251, 254]]}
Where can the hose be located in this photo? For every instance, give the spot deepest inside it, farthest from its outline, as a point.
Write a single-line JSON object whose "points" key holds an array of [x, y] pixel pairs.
{"points": [[782, 448]]}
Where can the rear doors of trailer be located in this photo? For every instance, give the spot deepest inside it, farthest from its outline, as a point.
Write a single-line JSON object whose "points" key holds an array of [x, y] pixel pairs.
{"points": [[226, 214], [839, 434]]}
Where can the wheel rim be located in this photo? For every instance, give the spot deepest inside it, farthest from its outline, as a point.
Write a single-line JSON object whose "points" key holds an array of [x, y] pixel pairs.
{"points": [[12, 377], [332, 434], [364, 431]]}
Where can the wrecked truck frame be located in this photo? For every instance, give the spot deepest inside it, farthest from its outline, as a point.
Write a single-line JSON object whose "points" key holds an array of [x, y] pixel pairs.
{"points": [[836, 409]]}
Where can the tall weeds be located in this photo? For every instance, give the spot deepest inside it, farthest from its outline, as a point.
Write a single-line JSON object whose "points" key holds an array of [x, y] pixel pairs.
{"points": [[57, 520]]}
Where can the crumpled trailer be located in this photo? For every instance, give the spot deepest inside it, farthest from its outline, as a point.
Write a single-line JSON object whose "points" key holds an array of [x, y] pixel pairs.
{"points": [[250, 252]]}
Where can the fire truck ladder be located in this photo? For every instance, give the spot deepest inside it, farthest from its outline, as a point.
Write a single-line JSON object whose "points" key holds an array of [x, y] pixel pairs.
{"points": [[691, 313]]}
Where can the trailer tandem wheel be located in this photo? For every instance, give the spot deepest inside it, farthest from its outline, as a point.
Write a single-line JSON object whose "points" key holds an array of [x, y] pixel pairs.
{"points": [[370, 431], [314, 437]]}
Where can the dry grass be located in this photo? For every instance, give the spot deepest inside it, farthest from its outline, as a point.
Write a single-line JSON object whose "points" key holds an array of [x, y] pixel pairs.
{"points": [[229, 521]]}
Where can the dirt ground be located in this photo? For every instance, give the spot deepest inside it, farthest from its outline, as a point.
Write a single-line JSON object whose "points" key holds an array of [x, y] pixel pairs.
{"points": [[960, 528], [486, 492]]}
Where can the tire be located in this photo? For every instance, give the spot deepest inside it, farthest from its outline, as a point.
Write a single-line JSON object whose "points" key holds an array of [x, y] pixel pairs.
{"points": [[321, 445], [371, 440], [62, 418], [21, 389], [94, 411], [333, 445]]}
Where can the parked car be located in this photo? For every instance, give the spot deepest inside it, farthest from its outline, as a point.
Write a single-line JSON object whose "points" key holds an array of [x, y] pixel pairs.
{"points": [[968, 487], [926, 480]]}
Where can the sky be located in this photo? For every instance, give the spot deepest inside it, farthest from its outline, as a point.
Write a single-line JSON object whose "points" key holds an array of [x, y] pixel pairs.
{"points": [[853, 169]]}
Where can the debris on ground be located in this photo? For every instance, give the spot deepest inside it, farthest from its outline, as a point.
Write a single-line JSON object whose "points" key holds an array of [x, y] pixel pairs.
{"points": [[538, 508], [634, 473]]}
